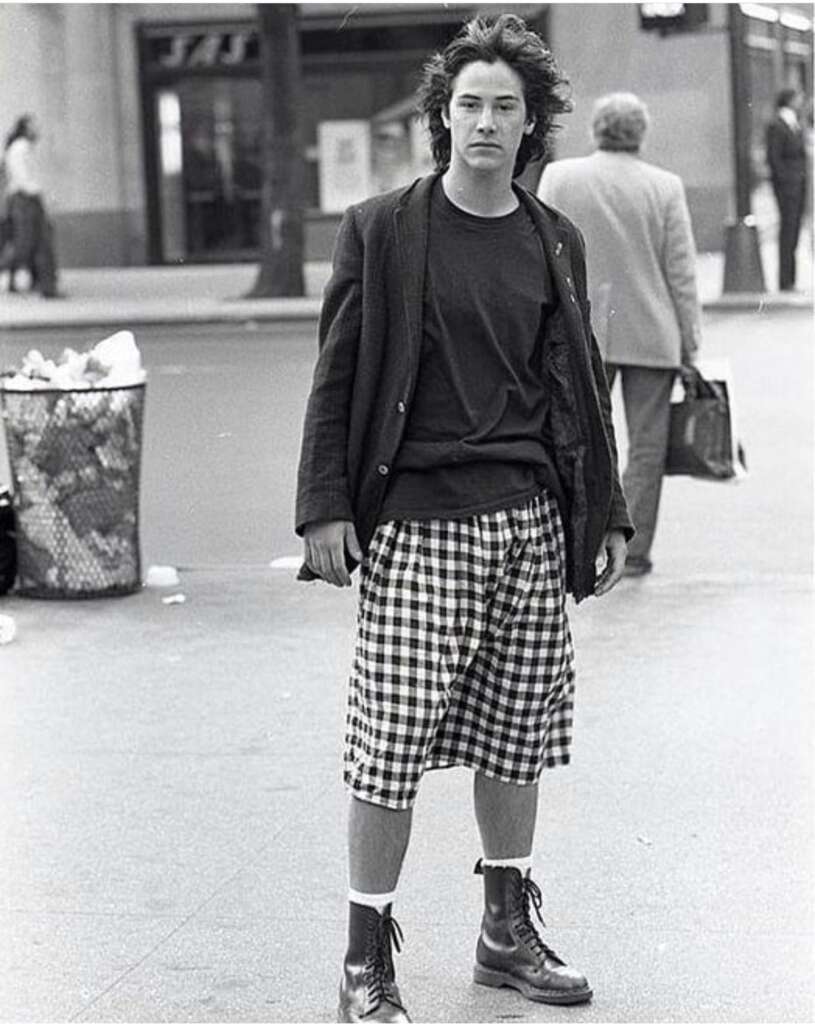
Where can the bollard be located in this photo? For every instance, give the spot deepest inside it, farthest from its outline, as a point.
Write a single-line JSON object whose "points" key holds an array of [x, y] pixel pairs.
{"points": [[742, 257]]}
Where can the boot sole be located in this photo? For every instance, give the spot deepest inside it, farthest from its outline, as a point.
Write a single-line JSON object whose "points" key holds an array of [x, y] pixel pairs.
{"points": [[501, 979], [345, 1016]]}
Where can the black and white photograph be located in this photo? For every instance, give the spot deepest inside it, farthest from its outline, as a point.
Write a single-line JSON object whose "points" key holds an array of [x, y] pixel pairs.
{"points": [[407, 513]]}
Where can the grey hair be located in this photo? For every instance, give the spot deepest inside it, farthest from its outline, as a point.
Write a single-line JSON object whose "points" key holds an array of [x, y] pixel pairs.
{"points": [[619, 121]]}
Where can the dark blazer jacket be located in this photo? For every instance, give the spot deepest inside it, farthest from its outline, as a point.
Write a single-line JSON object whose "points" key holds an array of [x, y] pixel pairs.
{"points": [[370, 336], [786, 156]]}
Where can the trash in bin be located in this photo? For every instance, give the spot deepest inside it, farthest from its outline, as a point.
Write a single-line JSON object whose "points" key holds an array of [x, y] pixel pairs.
{"points": [[73, 432]]}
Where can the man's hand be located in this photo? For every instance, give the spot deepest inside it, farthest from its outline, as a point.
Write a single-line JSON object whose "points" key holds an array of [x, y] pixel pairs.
{"points": [[325, 546], [689, 375], [613, 548], [688, 369]]}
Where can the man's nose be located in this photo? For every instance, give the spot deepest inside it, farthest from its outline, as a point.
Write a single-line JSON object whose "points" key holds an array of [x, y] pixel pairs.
{"points": [[486, 122]]}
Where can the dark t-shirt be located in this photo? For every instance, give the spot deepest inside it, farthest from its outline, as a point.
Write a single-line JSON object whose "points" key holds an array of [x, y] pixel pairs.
{"points": [[473, 440]]}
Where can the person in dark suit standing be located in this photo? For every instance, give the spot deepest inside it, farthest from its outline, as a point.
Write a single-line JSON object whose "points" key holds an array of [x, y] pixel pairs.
{"points": [[786, 156]]}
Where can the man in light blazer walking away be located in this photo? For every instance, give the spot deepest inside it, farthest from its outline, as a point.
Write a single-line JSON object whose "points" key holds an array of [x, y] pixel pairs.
{"points": [[641, 263]]}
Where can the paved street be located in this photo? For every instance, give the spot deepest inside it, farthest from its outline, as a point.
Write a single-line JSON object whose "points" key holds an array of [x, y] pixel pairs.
{"points": [[225, 406], [222, 429], [174, 819]]}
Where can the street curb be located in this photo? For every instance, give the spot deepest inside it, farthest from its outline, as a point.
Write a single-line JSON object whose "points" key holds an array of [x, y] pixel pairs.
{"points": [[89, 314], [758, 302]]}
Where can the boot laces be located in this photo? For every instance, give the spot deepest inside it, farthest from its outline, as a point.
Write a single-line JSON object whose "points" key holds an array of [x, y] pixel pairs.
{"points": [[379, 976], [530, 896]]}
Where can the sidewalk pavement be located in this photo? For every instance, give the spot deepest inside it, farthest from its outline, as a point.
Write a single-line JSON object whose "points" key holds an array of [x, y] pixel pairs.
{"points": [[123, 296]]}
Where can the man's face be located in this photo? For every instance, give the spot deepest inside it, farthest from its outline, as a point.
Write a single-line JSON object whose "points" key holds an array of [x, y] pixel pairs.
{"points": [[486, 117]]}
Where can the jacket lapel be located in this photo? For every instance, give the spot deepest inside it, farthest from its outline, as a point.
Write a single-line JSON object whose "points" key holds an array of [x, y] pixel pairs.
{"points": [[411, 220], [557, 248]]}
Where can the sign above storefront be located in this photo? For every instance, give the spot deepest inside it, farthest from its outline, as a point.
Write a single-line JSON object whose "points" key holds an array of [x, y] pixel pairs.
{"points": [[213, 47]]}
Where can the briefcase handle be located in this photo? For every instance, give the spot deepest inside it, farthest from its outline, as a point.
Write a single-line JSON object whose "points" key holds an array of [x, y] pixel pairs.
{"points": [[696, 386]]}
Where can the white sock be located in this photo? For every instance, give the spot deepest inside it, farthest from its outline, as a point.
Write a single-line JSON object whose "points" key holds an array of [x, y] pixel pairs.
{"points": [[523, 864], [377, 900]]}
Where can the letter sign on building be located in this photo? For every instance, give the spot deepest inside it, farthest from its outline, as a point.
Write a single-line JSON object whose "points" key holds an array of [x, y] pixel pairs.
{"points": [[221, 47]]}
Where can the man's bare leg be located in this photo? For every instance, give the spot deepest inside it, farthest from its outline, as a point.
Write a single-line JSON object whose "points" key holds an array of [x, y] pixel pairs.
{"points": [[377, 842], [509, 950], [506, 816]]}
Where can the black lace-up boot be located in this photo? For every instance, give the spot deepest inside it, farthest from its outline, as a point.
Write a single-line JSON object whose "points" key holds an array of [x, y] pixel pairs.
{"points": [[511, 953], [368, 990]]}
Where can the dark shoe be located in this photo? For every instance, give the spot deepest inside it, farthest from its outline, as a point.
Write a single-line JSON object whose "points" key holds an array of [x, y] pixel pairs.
{"points": [[637, 567], [511, 953], [368, 990], [53, 295]]}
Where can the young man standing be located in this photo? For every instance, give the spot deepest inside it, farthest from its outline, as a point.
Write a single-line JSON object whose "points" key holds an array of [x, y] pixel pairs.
{"points": [[458, 444]]}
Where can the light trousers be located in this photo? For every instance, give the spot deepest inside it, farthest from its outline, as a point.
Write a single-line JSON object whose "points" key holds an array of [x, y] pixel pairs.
{"points": [[646, 399]]}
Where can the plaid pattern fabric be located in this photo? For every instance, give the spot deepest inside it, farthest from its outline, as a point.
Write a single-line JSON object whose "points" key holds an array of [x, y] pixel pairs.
{"points": [[463, 654]]}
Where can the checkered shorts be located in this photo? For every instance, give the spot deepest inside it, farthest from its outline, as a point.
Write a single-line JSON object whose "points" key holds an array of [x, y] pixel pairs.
{"points": [[463, 652]]}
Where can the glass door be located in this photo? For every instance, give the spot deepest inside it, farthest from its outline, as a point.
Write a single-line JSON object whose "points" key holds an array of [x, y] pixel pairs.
{"points": [[209, 163]]}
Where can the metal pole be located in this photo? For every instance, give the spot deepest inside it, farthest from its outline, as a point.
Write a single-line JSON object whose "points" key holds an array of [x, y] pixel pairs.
{"points": [[740, 95], [742, 254]]}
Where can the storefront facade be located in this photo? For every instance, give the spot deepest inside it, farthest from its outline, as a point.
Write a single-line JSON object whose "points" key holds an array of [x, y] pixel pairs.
{"points": [[778, 53], [684, 74], [151, 113], [201, 116]]}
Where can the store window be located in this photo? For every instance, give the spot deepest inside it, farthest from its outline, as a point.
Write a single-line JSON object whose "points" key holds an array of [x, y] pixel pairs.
{"points": [[209, 173], [171, 165], [202, 116], [778, 48], [203, 125], [202, 106], [761, 104]]}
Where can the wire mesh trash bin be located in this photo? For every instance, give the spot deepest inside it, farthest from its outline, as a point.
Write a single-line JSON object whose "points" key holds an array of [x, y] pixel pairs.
{"points": [[75, 458]]}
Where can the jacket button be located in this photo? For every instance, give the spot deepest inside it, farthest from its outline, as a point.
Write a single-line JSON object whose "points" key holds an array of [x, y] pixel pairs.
{"points": [[383, 470], [401, 406]]}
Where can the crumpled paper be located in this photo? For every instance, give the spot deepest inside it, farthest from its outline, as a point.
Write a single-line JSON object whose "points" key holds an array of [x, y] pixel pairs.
{"points": [[115, 362], [162, 576]]}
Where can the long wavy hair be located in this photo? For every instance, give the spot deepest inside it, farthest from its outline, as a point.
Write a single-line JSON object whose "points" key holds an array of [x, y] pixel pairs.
{"points": [[505, 38]]}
